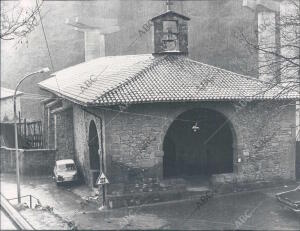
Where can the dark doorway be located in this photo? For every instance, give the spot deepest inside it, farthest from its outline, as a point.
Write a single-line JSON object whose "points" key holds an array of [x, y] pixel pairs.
{"points": [[93, 151], [298, 160], [204, 151]]}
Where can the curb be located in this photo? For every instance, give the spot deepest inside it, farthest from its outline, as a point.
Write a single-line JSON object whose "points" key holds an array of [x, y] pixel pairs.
{"points": [[13, 214]]}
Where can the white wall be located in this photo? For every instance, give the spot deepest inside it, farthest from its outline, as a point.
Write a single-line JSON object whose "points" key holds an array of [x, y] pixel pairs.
{"points": [[267, 43], [7, 108]]}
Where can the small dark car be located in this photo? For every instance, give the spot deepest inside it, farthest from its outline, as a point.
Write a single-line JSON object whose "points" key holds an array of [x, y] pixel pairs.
{"points": [[290, 199]]}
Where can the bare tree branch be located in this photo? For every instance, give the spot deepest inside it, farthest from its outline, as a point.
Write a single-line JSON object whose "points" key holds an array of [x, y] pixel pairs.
{"points": [[16, 21]]}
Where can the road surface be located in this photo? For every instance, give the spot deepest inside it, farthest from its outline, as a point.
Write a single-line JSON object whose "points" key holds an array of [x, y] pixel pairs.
{"points": [[251, 210]]}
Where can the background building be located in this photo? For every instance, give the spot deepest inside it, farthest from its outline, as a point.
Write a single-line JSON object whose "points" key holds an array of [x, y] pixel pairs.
{"points": [[121, 27], [7, 102]]}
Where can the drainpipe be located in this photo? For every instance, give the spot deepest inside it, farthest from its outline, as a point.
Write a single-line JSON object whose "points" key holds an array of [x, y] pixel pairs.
{"points": [[48, 128], [102, 150]]}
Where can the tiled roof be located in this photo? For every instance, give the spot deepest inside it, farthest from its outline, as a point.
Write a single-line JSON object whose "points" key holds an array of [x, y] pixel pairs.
{"points": [[7, 93], [170, 12], [156, 78]]}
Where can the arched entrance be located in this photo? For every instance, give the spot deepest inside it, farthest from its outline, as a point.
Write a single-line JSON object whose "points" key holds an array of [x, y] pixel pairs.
{"points": [[202, 150], [94, 152]]}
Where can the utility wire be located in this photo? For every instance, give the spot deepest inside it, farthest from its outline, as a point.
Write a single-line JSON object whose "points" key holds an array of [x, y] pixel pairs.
{"points": [[47, 45]]}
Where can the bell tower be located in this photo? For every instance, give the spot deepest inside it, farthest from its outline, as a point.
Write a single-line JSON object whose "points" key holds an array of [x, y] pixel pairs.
{"points": [[170, 32]]}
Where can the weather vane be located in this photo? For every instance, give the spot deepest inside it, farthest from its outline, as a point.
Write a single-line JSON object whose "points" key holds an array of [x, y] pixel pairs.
{"points": [[168, 3]]}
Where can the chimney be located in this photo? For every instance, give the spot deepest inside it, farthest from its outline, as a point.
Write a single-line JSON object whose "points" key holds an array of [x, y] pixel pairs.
{"points": [[170, 33], [94, 34]]}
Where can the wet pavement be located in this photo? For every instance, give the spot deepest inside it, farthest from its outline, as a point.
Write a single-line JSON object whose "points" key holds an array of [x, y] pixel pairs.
{"points": [[44, 188], [249, 210]]}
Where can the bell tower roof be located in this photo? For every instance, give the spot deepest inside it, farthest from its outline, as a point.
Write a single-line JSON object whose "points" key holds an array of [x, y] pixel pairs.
{"points": [[171, 14]]}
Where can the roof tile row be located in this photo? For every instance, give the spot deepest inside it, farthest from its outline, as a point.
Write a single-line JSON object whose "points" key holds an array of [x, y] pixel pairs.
{"points": [[156, 78]]}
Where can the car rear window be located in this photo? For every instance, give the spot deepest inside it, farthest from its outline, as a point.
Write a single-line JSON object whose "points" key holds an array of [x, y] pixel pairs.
{"points": [[67, 167]]}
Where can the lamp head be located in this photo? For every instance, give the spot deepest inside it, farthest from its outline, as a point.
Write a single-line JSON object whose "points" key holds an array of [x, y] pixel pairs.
{"points": [[195, 127]]}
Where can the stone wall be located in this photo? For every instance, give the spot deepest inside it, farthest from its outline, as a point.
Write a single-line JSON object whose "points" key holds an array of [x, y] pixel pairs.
{"points": [[264, 146], [267, 145], [81, 121], [48, 129], [298, 160], [32, 161], [65, 135]]}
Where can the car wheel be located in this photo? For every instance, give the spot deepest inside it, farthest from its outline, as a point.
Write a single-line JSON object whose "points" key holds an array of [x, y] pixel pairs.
{"points": [[58, 183]]}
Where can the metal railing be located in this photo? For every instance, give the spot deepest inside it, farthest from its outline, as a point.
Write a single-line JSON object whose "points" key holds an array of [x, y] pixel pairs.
{"points": [[14, 216], [30, 200]]}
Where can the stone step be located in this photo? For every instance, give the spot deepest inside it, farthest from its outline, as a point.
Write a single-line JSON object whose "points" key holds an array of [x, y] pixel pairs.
{"points": [[198, 192], [202, 193], [197, 188]]}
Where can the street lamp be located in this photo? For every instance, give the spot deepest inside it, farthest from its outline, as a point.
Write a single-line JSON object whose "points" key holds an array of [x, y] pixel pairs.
{"points": [[44, 70]]}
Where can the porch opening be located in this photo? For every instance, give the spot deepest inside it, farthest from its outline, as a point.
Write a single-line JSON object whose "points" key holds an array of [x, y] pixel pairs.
{"points": [[298, 160], [200, 151], [94, 152]]}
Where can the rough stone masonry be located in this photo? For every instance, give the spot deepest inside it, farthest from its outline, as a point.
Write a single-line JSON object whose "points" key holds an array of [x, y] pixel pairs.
{"points": [[264, 142]]}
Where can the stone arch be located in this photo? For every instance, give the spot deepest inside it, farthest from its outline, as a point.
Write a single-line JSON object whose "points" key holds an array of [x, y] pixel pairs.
{"points": [[169, 122]]}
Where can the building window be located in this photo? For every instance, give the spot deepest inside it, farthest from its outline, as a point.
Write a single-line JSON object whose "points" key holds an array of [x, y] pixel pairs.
{"points": [[170, 26], [170, 38]]}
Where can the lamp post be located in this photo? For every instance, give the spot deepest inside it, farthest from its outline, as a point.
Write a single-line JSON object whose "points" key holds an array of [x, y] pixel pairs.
{"points": [[44, 70]]}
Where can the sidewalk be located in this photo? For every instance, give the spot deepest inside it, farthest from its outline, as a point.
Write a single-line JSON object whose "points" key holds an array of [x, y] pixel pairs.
{"points": [[58, 203], [15, 217]]}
